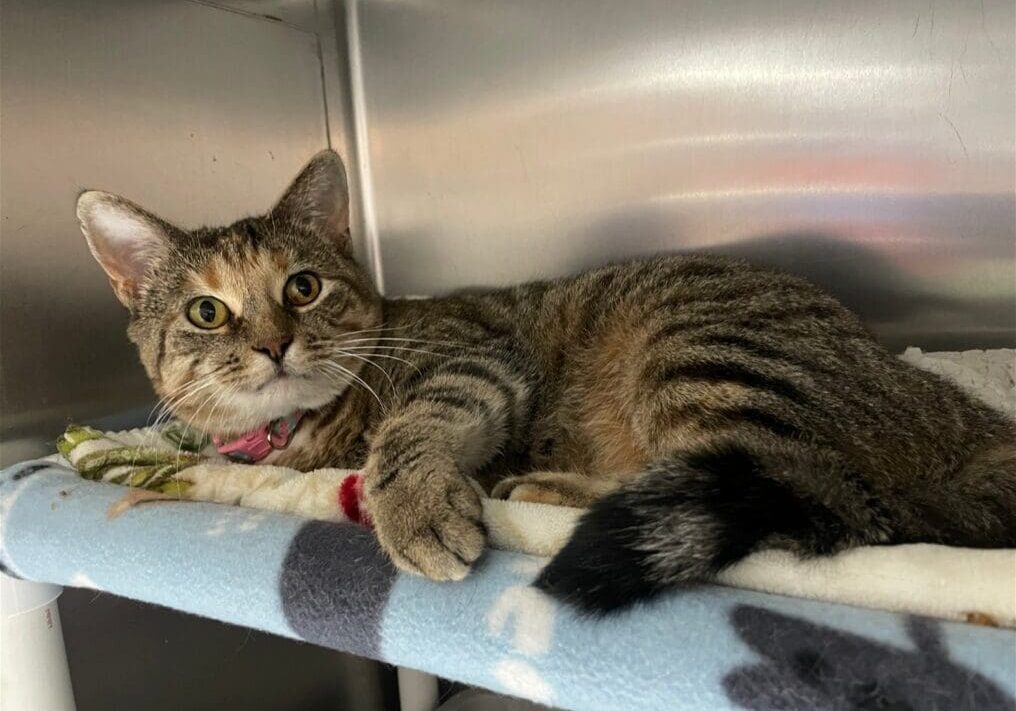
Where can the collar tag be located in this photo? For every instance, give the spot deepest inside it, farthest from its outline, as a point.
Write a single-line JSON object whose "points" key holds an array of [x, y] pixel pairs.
{"points": [[258, 444]]}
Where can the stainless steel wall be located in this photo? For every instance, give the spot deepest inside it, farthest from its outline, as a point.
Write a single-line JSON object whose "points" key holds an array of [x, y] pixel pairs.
{"points": [[868, 145], [200, 113]]}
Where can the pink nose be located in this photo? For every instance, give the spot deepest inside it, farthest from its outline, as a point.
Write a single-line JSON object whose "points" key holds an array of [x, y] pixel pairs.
{"points": [[276, 350]]}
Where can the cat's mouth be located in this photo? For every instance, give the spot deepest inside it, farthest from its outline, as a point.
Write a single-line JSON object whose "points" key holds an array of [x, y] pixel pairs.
{"points": [[278, 376]]}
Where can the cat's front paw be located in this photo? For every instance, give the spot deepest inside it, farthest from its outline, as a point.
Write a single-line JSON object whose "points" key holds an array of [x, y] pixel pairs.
{"points": [[429, 522]]}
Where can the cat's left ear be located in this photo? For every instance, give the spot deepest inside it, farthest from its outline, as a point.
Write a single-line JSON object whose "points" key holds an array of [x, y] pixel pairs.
{"points": [[125, 240], [318, 199]]}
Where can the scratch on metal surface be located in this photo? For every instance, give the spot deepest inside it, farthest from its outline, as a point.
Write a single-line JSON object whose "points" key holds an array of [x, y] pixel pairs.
{"points": [[324, 87], [957, 132], [252, 15], [984, 29]]}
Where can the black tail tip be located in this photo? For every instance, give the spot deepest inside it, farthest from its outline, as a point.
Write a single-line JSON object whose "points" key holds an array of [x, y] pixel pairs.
{"points": [[596, 572], [583, 589]]}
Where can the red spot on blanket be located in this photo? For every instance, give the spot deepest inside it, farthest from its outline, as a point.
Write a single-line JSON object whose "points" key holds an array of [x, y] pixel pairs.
{"points": [[351, 500]]}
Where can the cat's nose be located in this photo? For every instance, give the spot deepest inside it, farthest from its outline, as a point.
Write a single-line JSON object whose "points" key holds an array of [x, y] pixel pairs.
{"points": [[276, 350]]}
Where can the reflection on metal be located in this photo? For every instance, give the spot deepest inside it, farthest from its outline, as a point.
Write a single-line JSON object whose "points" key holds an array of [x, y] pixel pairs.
{"points": [[359, 158], [198, 113], [869, 146]]}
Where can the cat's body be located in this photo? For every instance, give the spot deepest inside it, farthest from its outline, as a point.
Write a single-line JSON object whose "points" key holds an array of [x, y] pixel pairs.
{"points": [[704, 408]]}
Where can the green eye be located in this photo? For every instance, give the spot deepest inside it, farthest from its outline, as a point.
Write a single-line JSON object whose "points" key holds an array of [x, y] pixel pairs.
{"points": [[302, 288], [207, 312]]}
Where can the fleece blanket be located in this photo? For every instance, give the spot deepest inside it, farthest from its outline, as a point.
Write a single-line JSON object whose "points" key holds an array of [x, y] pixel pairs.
{"points": [[328, 583]]}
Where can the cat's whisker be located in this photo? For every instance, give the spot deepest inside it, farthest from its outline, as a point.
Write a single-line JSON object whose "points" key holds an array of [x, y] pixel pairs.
{"points": [[398, 348], [183, 392], [179, 444], [347, 352], [384, 372], [376, 330], [421, 341], [354, 378], [223, 394], [204, 402], [161, 406], [345, 371], [178, 402], [225, 399], [374, 346], [165, 405], [337, 379]]}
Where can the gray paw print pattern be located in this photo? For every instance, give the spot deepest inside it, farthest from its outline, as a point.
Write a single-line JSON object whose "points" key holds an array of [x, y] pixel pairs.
{"points": [[334, 586], [807, 666]]}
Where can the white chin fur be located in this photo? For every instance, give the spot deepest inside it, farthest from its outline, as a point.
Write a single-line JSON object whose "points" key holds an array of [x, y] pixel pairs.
{"points": [[250, 410]]}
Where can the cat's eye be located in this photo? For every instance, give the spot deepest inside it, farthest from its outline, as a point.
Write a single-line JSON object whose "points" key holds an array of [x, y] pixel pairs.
{"points": [[302, 288], [207, 312]]}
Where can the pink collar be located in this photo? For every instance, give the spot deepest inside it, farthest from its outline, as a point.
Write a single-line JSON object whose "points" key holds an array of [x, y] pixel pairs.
{"points": [[258, 444]]}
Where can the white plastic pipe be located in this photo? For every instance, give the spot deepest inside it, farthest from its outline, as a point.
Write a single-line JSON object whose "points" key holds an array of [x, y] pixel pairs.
{"points": [[33, 661]]}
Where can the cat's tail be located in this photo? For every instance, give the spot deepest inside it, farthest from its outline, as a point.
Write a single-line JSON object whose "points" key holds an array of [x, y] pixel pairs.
{"points": [[976, 508], [693, 514]]}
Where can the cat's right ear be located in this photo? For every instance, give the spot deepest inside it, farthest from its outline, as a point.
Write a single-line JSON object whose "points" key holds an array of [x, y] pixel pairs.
{"points": [[125, 240], [318, 199]]}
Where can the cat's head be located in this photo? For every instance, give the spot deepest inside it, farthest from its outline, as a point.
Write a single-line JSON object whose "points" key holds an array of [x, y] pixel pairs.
{"points": [[239, 325]]}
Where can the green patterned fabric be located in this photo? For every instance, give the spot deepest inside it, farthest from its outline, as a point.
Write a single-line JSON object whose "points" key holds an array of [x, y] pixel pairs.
{"points": [[184, 437], [151, 463]]}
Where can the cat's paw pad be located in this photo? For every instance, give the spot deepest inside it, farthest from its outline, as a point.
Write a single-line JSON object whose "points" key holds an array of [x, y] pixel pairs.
{"points": [[435, 531], [522, 488], [554, 488]]}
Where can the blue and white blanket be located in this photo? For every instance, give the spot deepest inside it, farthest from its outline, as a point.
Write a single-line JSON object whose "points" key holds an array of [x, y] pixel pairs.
{"points": [[328, 583]]}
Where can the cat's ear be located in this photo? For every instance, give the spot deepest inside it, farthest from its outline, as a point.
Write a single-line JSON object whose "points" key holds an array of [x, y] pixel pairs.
{"points": [[125, 240], [318, 199]]}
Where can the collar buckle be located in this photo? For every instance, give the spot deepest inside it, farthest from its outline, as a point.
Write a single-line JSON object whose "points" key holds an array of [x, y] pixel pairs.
{"points": [[278, 440]]}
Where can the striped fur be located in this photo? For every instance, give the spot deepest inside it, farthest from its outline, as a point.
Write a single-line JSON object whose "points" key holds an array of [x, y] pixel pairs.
{"points": [[703, 407]]}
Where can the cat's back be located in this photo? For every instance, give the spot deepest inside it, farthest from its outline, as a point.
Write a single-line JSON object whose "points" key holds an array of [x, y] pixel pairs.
{"points": [[678, 292], [615, 333], [634, 300], [712, 330]]}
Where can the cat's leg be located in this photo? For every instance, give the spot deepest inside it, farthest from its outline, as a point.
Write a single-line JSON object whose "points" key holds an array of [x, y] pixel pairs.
{"points": [[452, 419], [557, 488]]}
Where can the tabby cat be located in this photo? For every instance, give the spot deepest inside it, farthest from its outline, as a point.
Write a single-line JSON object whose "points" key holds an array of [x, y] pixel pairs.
{"points": [[702, 408]]}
